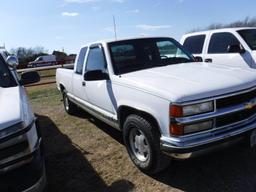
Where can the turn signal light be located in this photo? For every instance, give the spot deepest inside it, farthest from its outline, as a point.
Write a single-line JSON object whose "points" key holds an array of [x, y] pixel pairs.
{"points": [[176, 111], [176, 129]]}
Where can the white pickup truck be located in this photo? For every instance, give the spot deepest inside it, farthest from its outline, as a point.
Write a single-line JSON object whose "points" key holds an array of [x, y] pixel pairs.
{"points": [[235, 47], [21, 156], [163, 102]]}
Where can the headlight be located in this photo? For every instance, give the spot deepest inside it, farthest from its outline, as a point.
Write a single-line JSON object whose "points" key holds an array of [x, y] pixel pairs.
{"points": [[189, 110], [197, 127], [12, 130], [15, 129], [176, 129]]}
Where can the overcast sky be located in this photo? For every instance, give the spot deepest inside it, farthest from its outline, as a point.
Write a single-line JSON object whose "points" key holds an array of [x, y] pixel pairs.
{"points": [[55, 24]]}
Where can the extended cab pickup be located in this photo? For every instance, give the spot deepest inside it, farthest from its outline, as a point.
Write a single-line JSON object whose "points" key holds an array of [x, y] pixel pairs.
{"points": [[21, 156], [161, 99], [235, 47]]}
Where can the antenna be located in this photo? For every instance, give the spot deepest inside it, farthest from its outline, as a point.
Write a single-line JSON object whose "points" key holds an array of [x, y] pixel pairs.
{"points": [[114, 22]]}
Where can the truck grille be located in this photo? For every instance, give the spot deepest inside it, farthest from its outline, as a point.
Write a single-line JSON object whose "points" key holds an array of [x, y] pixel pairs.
{"points": [[236, 99], [235, 117]]}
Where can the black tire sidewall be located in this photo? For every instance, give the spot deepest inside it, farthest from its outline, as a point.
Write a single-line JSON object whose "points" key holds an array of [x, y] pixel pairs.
{"points": [[134, 121]]}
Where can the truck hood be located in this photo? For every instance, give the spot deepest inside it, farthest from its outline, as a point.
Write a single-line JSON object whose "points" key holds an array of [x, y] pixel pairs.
{"points": [[15, 107], [190, 81]]}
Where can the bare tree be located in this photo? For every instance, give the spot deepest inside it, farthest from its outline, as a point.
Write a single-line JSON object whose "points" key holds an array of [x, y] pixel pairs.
{"points": [[26, 55]]}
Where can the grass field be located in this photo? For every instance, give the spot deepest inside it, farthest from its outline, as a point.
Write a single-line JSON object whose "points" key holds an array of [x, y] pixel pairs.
{"points": [[83, 155]]}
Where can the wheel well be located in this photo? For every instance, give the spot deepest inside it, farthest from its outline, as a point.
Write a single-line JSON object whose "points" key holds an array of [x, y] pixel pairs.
{"points": [[62, 88], [125, 111]]}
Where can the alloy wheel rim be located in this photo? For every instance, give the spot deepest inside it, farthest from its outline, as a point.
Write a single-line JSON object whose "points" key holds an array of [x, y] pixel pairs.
{"points": [[139, 145], [66, 103]]}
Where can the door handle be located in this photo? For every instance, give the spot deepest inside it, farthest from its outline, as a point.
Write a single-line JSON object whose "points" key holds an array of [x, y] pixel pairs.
{"points": [[209, 60], [83, 83]]}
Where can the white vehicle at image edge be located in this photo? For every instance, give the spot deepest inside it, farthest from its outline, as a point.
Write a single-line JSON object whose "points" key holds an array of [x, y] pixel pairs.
{"points": [[21, 159], [235, 47], [166, 105]]}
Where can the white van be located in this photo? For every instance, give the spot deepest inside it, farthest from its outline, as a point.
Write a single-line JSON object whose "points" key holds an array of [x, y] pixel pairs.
{"points": [[41, 61], [21, 157], [231, 46]]}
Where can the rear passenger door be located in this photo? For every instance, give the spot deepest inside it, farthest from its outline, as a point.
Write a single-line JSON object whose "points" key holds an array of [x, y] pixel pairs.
{"points": [[78, 81], [217, 51]]}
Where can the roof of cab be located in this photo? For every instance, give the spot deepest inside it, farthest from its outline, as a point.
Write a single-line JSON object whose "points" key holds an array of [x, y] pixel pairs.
{"points": [[122, 39], [219, 30]]}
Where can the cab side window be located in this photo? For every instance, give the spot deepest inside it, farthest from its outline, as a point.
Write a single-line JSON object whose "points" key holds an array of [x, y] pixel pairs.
{"points": [[194, 44], [96, 59], [80, 61], [220, 41]]}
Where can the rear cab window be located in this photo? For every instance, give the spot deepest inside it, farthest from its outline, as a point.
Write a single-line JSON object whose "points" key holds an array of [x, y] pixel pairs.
{"points": [[80, 61], [195, 44], [219, 42]]}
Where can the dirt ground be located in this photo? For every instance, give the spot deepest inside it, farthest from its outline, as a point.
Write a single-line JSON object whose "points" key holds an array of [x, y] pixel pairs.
{"points": [[84, 155]]}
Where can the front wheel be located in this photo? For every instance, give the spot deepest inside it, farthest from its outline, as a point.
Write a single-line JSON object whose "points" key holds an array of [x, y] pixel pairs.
{"points": [[142, 142]]}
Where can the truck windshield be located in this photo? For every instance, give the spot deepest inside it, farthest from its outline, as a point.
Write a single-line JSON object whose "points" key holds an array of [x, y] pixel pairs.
{"points": [[138, 54], [249, 35], [6, 78]]}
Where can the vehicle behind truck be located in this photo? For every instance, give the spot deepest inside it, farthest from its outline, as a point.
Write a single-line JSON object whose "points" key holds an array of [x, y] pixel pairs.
{"points": [[235, 47], [41, 61], [166, 105], [21, 156]]}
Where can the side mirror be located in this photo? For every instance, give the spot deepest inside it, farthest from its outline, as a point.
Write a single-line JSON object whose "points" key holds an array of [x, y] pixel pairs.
{"points": [[238, 48], [198, 59], [29, 78], [95, 75], [12, 61]]}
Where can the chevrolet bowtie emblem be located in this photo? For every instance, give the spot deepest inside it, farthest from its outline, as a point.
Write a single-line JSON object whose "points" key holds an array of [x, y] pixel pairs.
{"points": [[250, 104]]}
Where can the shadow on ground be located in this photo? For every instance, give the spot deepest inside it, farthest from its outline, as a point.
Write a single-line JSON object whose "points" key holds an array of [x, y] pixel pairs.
{"points": [[232, 169], [112, 132], [67, 168]]}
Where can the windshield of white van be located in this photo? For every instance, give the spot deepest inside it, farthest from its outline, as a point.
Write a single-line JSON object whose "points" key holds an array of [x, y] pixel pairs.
{"points": [[138, 54], [249, 35], [6, 78]]}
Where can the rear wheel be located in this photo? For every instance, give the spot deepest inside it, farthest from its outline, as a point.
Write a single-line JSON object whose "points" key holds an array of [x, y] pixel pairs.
{"points": [[142, 141], [69, 106]]}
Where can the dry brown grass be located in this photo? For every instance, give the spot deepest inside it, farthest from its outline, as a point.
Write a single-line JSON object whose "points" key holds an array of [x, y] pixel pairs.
{"points": [[83, 154]]}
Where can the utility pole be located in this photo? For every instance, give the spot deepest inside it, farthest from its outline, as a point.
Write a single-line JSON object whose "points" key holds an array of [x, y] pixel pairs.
{"points": [[114, 22]]}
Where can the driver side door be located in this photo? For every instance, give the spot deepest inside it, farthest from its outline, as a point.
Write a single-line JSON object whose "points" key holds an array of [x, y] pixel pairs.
{"points": [[99, 92]]}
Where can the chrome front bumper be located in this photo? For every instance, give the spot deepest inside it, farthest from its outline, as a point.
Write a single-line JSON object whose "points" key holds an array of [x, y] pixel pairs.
{"points": [[185, 147]]}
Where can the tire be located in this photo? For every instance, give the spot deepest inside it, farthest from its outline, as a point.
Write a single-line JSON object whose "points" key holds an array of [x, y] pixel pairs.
{"points": [[69, 106], [142, 142]]}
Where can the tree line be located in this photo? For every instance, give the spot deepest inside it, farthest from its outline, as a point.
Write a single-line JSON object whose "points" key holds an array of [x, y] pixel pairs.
{"points": [[25, 55], [247, 22]]}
